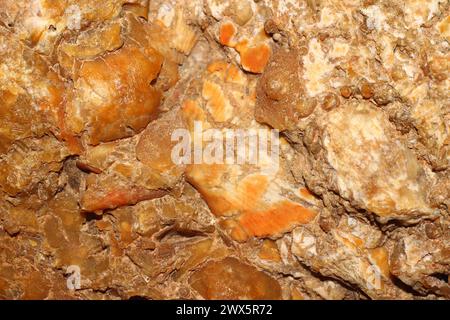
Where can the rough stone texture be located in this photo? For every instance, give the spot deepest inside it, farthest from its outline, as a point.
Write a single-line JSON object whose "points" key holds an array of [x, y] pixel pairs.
{"points": [[355, 207]]}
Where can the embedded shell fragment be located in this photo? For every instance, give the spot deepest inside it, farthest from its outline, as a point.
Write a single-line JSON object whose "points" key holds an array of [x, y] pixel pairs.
{"points": [[353, 205]]}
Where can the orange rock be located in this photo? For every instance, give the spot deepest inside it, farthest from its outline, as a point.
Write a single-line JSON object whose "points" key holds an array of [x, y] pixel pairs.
{"points": [[242, 45], [380, 257], [280, 218], [367, 90], [444, 27], [192, 112], [255, 59], [219, 66], [125, 232], [351, 241], [219, 205], [346, 92], [20, 219], [54, 236], [115, 104], [226, 33], [155, 146], [297, 295], [234, 229], [234, 75], [226, 72], [251, 189], [168, 76], [257, 216], [65, 207], [118, 197], [31, 162], [232, 279], [139, 9], [103, 225], [30, 92], [223, 202], [116, 249], [269, 251], [35, 286], [198, 253], [87, 168], [306, 194], [89, 44]]}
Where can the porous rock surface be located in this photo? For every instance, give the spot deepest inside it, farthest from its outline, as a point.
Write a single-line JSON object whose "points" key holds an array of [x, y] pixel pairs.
{"points": [[355, 207]]}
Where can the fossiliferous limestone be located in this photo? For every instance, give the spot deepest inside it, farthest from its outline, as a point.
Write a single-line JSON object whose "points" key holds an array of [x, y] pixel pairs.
{"points": [[353, 203]]}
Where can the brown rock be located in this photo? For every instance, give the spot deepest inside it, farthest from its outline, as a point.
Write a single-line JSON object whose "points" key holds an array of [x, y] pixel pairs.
{"points": [[232, 279]]}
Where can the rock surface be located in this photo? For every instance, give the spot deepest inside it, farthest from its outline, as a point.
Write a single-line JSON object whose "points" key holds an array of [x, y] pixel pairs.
{"points": [[351, 201]]}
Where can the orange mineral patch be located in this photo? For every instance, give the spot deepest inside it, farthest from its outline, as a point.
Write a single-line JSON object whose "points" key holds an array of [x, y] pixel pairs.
{"points": [[258, 216], [351, 241], [250, 191], [306, 194], [444, 27], [380, 257], [226, 33], [255, 59], [280, 218]]}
